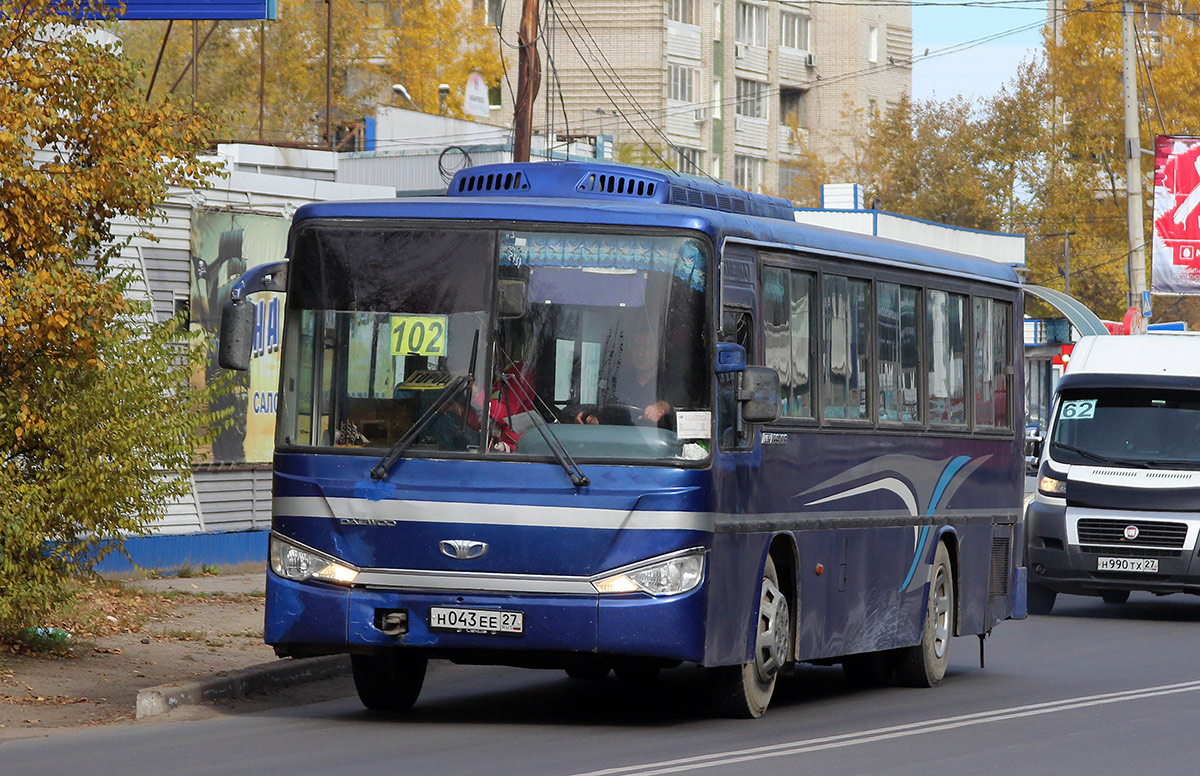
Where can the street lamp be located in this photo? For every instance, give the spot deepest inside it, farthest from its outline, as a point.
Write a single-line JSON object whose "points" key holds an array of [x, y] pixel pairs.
{"points": [[400, 90]]}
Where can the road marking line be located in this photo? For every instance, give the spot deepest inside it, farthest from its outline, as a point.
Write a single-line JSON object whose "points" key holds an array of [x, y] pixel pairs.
{"points": [[842, 740]]}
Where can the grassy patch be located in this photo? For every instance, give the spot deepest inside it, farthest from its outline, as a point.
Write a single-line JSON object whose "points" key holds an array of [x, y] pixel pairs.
{"points": [[185, 634]]}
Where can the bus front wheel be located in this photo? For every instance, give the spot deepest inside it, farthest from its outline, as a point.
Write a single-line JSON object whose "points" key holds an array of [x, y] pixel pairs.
{"points": [[743, 691], [389, 680], [924, 664]]}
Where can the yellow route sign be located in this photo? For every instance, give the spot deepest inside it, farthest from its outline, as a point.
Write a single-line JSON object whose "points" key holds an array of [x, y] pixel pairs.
{"points": [[419, 335]]}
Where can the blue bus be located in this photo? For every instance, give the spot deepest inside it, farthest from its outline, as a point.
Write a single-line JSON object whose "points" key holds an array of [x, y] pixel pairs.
{"points": [[602, 418]]}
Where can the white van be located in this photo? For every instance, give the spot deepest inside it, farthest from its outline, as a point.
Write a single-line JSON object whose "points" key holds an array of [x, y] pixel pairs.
{"points": [[1117, 506]]}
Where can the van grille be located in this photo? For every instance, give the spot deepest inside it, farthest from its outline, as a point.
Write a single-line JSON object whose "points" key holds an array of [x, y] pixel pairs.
{"points": [[1151, 533], [1129, 552]]}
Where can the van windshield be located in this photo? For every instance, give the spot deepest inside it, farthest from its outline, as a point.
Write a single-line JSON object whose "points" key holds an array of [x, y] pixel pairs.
{"points": [[1138, 427]]}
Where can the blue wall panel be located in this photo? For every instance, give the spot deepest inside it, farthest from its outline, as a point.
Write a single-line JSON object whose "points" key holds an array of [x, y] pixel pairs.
{"points": [[170, 552]]}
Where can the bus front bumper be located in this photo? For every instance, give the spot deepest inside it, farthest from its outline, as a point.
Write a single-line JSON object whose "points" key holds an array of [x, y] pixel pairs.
{"points": [[318, 618]]}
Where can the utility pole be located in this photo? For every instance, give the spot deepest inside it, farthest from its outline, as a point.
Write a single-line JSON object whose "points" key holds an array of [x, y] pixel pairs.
{"points": [[1066, 259], [1133, 161], [529, 76]]}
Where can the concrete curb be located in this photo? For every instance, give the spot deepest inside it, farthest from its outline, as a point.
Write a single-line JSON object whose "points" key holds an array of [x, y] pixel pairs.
{"points": [[234, 684]]}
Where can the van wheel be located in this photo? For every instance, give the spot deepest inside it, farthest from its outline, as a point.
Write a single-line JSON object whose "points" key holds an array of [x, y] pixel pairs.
{"points": [[1115, 596], [924, 665], [744, 691], [389, 680], [1039, 600]]}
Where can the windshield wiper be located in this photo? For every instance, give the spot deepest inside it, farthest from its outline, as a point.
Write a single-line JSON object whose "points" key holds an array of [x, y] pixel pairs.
{"points": [[552, 441], [444, 397], [1096, 457]]}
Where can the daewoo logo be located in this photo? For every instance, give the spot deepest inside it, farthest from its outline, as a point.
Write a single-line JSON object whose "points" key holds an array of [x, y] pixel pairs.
{"points": [[1131, 532], [462, 549]]}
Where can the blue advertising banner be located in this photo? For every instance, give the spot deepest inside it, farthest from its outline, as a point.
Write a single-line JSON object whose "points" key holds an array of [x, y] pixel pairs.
{"points": [[197, 9]]}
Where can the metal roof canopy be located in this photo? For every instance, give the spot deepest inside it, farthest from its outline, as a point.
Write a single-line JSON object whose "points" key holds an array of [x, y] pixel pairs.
{"points": [[1083, 319]]}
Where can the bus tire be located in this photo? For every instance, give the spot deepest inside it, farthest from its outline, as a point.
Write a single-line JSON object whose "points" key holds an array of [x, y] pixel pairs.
{"points": [[870, 669], [1038, 599], [1115, 596], [389, 680], [924, 664], [744, 691]]}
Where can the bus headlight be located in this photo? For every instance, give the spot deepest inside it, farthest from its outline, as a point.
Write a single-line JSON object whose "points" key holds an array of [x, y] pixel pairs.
{"points": [[670, 576], [296, 563], [1050, 485]]}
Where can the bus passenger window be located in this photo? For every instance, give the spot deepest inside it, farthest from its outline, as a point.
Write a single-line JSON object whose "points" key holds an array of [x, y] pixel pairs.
{"points": [[787, 331], [846, 348], [945, 317], [896, 321]]}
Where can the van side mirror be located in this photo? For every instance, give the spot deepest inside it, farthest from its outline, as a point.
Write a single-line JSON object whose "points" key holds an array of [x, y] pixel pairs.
{"points": [[237, 315], [759, 394]]}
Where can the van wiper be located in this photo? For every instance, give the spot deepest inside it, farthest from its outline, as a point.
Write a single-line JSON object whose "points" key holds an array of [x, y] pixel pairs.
{"points": [[552, 441], [1096, 457], [444, 397]]}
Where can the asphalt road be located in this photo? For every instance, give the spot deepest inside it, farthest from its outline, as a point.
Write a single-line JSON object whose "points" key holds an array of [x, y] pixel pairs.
{"points": [[1092, 689]]}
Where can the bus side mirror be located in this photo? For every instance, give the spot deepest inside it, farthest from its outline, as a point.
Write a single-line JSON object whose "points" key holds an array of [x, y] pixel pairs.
{"points": [[237, 315], [237, 335], [731, 357], [760, 395]]}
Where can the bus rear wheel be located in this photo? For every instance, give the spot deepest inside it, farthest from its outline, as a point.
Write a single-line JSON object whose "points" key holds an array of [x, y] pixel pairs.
{"points": [[389, 680], [743, 691], [924, 664]]}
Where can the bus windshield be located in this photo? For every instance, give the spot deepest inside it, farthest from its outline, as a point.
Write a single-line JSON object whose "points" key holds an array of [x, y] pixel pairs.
{"points": [[589, 340], [1132, 426]]}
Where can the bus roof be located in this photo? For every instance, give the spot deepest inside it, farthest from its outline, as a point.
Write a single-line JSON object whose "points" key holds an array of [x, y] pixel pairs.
{"points": [[568, 193]]}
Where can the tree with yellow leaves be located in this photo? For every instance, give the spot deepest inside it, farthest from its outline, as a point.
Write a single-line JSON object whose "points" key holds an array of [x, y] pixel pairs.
{"points": [[418, 43], [97, 423]]}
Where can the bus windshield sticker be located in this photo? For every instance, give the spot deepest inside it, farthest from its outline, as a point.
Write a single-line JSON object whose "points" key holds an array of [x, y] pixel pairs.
{"points": [[426, 380], [693, 425], [1079, 409], [419, 335]]}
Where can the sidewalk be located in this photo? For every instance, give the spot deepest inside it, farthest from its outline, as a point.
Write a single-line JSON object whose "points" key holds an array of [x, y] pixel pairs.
{"points": [[204, 643]]}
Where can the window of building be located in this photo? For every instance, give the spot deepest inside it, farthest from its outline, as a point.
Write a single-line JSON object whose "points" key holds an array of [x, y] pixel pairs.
{"points": [[787, 336], [683, 11], [492, 11], [718, 18], [991, 328], [791, 107], [748, 172], [945, 317], [872, 44], [683, 82], [846, 348], [751, 23], [896, 319], [751, 98], [793, 31], [688, 160], [495, 95], [717, 98]]}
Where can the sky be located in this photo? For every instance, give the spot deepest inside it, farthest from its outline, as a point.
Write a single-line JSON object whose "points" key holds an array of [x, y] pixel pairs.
{"points": [[977, 70]]}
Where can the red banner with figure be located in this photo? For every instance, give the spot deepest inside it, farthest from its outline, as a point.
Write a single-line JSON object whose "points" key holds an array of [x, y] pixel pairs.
{"points": [[1175, 256]]}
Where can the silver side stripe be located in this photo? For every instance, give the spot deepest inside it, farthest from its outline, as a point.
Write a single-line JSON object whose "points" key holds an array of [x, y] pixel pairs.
{"points": [[385, 512]]}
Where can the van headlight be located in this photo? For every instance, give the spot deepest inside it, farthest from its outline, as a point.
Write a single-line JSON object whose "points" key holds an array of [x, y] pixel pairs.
{"points": [[293, 562], [1050, 485], [676, 574]]}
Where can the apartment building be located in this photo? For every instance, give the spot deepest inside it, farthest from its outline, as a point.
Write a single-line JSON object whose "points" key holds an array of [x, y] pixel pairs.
{"points": [[730, 88]]}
